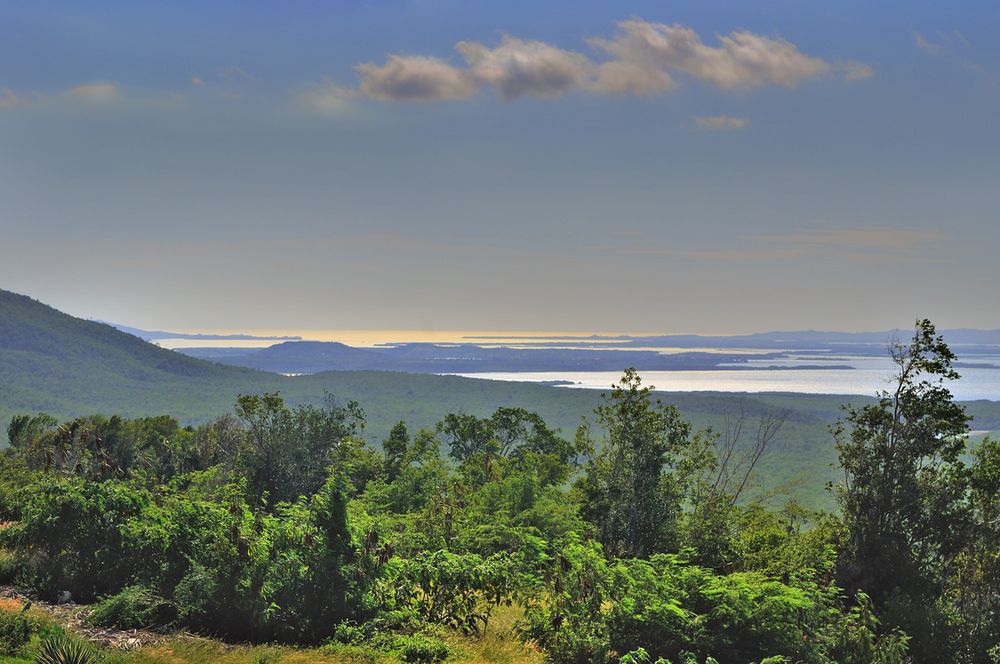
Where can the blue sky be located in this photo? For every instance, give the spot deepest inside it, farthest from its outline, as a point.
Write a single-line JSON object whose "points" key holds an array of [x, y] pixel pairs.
{"points": [[636, 166]]}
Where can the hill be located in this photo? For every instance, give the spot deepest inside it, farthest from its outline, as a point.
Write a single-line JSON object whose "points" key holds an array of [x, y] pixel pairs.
{"points": [[55, 363]]}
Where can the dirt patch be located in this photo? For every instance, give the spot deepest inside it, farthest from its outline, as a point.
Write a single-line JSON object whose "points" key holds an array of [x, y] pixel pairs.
{"points": [[73, 617]]}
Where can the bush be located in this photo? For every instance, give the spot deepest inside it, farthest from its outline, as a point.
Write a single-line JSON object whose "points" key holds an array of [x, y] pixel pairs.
{"points": [[419, 648], [133, 608], [457, 591], [373, 636], [15, 632]]}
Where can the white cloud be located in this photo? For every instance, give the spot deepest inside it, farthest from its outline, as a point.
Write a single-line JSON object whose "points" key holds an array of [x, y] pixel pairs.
{"points": [[742, 60], [622, 77], [856, 71], [415, 78], [95, 93], [641, 58], [720, 122], [519, 67], [925, 45], [329, 97], [8, 99]]}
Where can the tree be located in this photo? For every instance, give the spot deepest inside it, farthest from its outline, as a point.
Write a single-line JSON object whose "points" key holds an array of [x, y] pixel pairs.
{"points": [[288, 452], [974, 587], [394, 448], [631, 492], [904, 493], [466, 435], [719, 467]]}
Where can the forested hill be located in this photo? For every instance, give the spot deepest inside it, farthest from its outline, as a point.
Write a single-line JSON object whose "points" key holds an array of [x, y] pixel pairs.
{"points": [[55, 363], [37, 337]]}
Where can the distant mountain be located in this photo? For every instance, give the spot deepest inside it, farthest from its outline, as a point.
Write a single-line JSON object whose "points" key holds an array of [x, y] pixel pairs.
{"points": [[308, 357], [152, 335]]}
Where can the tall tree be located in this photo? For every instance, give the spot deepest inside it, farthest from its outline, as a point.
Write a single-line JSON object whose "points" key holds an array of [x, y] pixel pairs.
{"points": [[631, 492], [904, 496]]}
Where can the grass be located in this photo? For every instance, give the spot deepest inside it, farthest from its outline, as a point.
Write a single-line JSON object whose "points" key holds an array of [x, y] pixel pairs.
{"points": [[498, 646]]}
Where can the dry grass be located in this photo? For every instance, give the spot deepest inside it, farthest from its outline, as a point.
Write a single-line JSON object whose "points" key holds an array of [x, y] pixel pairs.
{"points": [[189, 650], [496, 647], [11, 605], [499, 645]]}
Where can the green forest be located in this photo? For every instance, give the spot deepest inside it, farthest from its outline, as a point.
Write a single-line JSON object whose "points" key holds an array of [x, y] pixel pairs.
{"points": [[279, 533]]}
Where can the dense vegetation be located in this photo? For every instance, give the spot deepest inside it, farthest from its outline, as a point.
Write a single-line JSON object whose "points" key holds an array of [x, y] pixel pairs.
{"points": [[54, 363], [631, 541]]}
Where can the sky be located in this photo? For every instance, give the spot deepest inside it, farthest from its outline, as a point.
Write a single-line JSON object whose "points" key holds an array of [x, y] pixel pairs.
{"points": [[699, 167]]}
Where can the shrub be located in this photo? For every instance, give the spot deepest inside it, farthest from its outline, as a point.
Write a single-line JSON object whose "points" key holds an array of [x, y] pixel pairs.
{"points": [[134, 607], [458, 591], [419, 648], [15, 631]]}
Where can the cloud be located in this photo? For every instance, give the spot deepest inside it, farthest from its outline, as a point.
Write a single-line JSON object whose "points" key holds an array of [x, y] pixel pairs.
{"points": [[621, 77], [720, 122], [869, 239], [329, 98], [519, 68], [641, 58], [742, 60], [95, 93], [716, 254], [924, 45], [952, 47], [415, 78], [229, 82], [856, 71], [8, 99]]}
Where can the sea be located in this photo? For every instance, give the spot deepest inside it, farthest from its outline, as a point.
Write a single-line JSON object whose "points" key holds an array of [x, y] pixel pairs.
{"points": [[980, 373]]}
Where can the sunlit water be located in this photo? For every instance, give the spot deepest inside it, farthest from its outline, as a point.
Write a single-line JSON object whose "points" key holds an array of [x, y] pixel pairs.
{"points": [[370, 338], [868, 376]]}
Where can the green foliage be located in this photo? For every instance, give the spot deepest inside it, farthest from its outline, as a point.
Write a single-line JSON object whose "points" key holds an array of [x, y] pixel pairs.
{"points": [[457, 591], [419, 648], [15, 632], [225, 568], [63, 649], [631, 492], [288, 451], [902, 495], [920, 524], [134, 607], [282, 525], [856, 638]]}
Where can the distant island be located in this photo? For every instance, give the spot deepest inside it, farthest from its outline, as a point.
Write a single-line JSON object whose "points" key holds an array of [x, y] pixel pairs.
{"points": [[153, 335], [771, 351]]}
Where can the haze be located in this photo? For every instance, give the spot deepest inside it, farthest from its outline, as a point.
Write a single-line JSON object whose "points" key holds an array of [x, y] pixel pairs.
{"points": [[599, 166]]}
